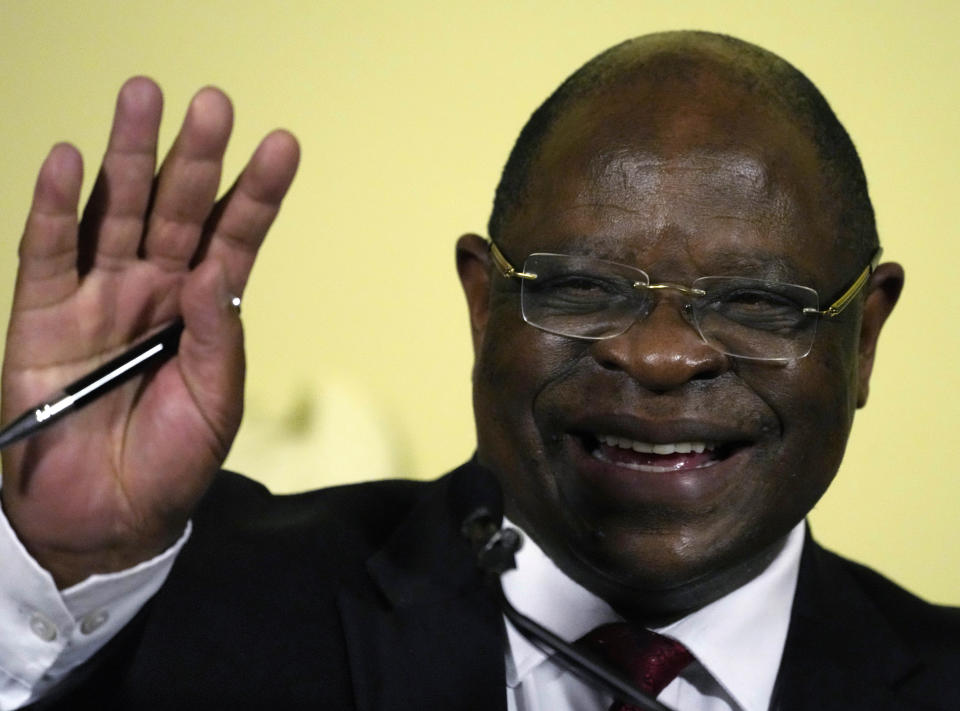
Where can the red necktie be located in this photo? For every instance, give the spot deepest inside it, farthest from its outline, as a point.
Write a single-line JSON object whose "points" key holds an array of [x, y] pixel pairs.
{"points": [[649, 659]]}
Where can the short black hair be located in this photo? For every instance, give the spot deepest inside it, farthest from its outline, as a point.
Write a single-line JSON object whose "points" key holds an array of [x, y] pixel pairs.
{"points": [[676, 55]]}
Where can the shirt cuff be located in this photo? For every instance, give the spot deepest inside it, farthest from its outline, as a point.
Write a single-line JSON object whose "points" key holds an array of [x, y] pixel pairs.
{"points": [[48, 632]]}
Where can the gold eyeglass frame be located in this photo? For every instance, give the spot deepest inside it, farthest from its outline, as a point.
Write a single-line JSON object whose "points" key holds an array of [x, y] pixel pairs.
{"points": [[508, 271]]}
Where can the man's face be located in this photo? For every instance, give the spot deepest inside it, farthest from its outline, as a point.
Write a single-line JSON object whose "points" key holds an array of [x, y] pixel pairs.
{"points": [[681, 183]]}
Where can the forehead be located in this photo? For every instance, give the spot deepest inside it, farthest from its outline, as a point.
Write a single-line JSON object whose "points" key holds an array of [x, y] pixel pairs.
{"points": [[689, 177]]}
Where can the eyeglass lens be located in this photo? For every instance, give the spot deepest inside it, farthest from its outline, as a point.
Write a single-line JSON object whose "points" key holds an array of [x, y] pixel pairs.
{"points": [[593, 299]]}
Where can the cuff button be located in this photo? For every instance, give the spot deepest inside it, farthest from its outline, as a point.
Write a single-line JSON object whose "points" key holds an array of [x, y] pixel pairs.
{"points": [[42, 627], [94, 621]]}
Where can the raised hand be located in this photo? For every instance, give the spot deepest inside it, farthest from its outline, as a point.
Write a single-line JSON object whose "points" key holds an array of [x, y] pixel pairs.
{"points": [[115, 483]]}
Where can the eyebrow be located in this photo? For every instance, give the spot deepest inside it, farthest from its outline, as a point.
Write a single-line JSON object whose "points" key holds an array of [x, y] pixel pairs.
{"points": [[771, 267], [758, 264]]}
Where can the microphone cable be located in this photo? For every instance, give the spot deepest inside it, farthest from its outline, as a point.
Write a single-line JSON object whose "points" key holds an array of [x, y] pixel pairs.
{"points": [[495, 548]]}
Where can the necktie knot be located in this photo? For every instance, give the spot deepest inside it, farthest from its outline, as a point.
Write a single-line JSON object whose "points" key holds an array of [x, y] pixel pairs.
{"points": [[648, 659]]}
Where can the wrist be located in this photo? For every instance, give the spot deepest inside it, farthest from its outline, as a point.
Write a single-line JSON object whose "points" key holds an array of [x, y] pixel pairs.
{"points": [[77, 557], [68, 568]]}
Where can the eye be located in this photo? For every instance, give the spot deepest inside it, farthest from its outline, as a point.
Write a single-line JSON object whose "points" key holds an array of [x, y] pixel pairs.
{"points": [[762, 309], [577, 291], [579, 285]]}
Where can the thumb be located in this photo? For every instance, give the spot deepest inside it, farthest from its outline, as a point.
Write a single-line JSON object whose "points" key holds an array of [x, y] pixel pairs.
{"points": [[211, 354]]}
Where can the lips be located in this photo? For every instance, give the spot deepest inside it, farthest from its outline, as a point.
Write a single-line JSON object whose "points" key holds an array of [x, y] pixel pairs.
{"points": [[625, 460], [669, 444], [655, 457]]}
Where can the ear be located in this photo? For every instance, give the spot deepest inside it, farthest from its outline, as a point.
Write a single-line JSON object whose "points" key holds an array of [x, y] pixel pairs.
{"points": [[473, 266], [882, 294]]}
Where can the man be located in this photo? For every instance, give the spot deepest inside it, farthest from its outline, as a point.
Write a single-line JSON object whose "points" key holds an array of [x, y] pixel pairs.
{"points": [[673, 326]]}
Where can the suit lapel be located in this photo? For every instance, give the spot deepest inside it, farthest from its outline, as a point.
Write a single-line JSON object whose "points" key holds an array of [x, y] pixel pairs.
{"points": [[840, 651], [425, 634]]}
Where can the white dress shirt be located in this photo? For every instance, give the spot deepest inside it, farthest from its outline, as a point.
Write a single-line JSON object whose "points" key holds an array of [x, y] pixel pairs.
{"points": [[48, 632], [737, 640]]}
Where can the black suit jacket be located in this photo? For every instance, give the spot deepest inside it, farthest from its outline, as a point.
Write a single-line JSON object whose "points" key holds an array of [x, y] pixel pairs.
{"points": [[366, 597]]}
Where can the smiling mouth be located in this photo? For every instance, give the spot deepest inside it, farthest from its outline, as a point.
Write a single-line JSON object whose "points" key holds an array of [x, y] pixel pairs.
{"points": [[656, 457]]}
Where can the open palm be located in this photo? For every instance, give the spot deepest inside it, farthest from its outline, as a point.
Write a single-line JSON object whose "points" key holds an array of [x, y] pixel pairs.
{"points": [[115, 483]]}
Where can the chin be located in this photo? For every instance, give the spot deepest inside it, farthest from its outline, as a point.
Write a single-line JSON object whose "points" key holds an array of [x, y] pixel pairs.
{"points": [[659, 571]]}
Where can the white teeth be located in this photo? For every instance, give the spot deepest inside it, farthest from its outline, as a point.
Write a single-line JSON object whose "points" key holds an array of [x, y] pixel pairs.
{"points": [[650, 448]]}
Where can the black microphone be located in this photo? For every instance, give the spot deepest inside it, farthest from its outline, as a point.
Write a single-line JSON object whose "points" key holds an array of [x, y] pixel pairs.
{"points": [[495, 549]]}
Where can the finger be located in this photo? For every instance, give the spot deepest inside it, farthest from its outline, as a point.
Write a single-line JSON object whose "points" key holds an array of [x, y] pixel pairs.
{"points": [[240, 221], [48, 250], [188, 181], [113, 221]]}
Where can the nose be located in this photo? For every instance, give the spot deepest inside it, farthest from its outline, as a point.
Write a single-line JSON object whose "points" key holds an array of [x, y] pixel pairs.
{"points": [[662, 351]]}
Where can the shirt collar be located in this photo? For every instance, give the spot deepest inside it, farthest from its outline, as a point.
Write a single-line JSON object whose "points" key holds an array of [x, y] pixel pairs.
{"points": [[738, 639]]}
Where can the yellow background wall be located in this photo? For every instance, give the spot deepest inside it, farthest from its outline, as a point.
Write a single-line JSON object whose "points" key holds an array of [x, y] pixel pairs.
{"points": [[359, 355]]}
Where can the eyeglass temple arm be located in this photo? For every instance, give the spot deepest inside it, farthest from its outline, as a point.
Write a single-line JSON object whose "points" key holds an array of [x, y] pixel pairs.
{"points": [[505, 267], [846, 297]]}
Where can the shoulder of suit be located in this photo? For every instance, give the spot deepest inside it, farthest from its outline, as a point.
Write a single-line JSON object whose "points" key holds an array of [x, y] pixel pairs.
{"points": [[235, 501], [931, 626]]}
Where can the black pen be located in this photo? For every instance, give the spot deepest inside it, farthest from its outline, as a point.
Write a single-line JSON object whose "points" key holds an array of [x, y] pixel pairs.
{"points": [[149, 353]]}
